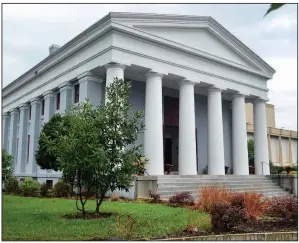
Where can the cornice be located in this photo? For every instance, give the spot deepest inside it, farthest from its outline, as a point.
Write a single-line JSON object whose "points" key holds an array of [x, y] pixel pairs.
{"points": [[105, 24], [97, 30]]}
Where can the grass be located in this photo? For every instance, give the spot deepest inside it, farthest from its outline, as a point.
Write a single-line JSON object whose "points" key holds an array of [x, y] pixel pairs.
{"points": [[41, 219]]}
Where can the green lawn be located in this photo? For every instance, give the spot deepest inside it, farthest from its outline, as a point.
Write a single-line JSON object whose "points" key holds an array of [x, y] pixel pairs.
{"points": [[41, 219]]}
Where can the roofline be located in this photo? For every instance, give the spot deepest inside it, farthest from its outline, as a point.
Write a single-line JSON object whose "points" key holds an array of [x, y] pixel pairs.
{"points": [[112, 15]]}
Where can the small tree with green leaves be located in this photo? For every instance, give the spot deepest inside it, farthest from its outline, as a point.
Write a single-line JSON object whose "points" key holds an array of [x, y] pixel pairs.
{"points": [[46, 156], [250, 144], [98, 151], [7, 166]]}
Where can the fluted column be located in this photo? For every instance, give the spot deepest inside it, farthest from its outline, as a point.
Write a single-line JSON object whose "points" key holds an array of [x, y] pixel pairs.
{"points": [[5, 130], [23, 138], [34, 134], [187, 142], [153, 134], [65, 90], [240, 150], [49, 98], [114, 70], [12, 148], [261, 154], [91, 88], [215, 133]]}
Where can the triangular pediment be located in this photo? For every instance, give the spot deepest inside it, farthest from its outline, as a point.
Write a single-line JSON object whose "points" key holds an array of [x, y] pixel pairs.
{"points": [[202, 35], [200, 39]]}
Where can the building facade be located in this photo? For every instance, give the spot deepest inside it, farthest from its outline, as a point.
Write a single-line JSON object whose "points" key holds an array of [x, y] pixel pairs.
{"points": [[282, 143], [189, 74]]}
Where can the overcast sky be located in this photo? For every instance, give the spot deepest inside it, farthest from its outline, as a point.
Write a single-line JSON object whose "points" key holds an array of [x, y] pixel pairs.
{"points": [[28, 31]]}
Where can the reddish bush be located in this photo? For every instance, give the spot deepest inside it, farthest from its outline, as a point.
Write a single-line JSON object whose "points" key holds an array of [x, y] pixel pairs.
{"points": [[154, 196], [237, 200], [183, 198], [284, 207], [115, 197], [209, 195], [255, 205]]}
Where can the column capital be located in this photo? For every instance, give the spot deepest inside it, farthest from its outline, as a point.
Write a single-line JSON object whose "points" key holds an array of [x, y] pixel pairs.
{"points": [[186, 81], [115, 65], [24, 106], [5, 114], [152, 74], [14, 110], [215, 89], [235, 95], [64, 86], [89, 76], [259, 100], [48, 94], [35, 100]]}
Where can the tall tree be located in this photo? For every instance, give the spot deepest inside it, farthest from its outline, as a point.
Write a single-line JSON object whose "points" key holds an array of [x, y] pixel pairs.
{"points": [[46, 156], [98, 151]]}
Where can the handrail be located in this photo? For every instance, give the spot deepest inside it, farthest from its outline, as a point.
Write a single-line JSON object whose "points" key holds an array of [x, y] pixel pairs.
{"points": [[263, 166]]}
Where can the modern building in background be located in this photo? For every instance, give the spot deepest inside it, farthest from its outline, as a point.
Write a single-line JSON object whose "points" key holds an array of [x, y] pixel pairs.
{"points": [[282, 143], [189, 74]]}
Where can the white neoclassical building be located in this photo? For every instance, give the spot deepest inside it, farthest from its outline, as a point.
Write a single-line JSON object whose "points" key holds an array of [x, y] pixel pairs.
{"points": [[190, 75]]}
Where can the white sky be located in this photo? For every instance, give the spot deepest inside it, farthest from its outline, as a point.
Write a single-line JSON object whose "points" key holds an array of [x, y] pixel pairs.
{"points": [[28, 31]]}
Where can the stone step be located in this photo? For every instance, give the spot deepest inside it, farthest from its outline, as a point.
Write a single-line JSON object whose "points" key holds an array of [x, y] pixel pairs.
{"points": [[266, 194], [258, 190], [233, 188], [213, 176], [208, 183], [214, 179]]}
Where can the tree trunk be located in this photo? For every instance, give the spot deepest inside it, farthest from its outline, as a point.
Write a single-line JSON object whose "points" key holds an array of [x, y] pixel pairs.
{"points": [[99, 203]]}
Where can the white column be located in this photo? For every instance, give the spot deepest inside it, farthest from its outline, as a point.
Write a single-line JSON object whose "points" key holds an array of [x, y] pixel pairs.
{"points": [[187, 142], [114, 70], [261, 153], [49, 98], [65, 90], [215, 133], [240, 150], [23, 140], [90, 88], [12, 148], [5, 130], [34, 134], [153, 134]]}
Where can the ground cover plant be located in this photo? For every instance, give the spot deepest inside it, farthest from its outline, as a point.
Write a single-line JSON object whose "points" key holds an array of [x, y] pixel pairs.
{"points": [[26, 218]]}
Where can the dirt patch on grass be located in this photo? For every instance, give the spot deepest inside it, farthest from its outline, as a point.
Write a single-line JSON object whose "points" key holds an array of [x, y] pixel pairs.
{"points": [[87, 216]]}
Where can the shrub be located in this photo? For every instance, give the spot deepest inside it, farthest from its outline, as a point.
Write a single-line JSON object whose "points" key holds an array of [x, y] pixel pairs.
{"points": [[62, 189], [217, 210], [285, 208], [7, 166], [255, 205], [44, 190], [154, 196], [293, 172], [115, 197], [208, 195], [237, 200], [183, 198], [283, 172], [29, 187], [12, 186]]}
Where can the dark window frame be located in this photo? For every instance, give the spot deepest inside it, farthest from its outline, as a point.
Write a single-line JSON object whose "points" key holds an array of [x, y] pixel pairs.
{"points": [[58, 101]]}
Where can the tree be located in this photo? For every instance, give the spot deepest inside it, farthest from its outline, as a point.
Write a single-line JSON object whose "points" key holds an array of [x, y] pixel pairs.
{"points": [[46, 156], [273, 7], [98, 151], [7, 166], [250, 145]]}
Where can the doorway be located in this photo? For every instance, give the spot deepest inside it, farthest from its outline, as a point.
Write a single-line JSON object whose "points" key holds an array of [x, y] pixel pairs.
{"points": [[171, 143]]}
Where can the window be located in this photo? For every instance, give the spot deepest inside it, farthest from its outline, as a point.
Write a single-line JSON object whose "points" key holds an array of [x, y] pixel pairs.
{"points": [[58, 101], [49, 184], [76, 93], [28, 146], [17, 151], [29, 112], [43, 107]]}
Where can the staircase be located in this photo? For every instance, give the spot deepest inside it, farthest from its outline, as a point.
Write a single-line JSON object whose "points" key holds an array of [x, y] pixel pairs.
{"points": [[169, 185]]}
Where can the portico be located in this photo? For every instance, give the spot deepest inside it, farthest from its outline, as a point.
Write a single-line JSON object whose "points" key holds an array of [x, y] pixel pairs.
{"points": [[209, 92]]}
